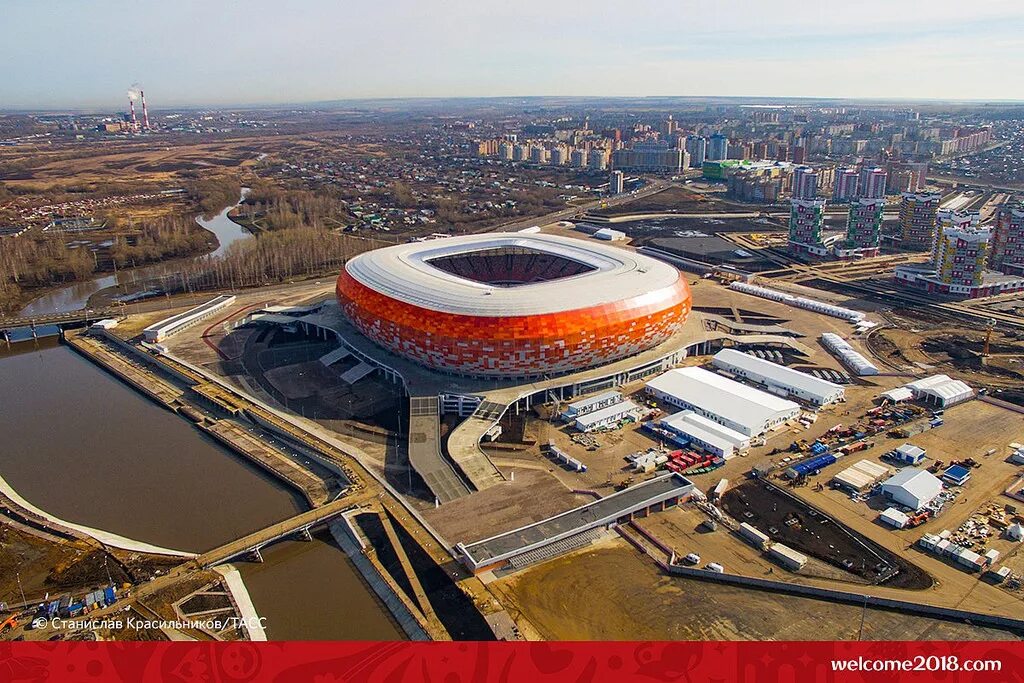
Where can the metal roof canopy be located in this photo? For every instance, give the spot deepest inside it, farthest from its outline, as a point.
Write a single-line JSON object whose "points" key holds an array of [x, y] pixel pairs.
{"points": [[721, 396], [403, 272], [780, 374]]}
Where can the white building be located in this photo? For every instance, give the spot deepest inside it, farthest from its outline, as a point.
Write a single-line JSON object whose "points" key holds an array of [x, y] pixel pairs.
{"points": [[590, 404], [861, 476], [604, 417], [941, 390], [909, 453], [894, 518], [787, 557], [847, 355], [912, 488], [778, 378], [616, 184], [754, 536], [159, 331], [707, 435], [747, 410], [610, 235]]}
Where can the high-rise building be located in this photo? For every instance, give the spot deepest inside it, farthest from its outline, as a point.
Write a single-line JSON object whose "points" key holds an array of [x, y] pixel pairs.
{"points": [[806, 219], [871, 184], [845, 188], [718, 148], [961, 255], [616, 183], [754, 185], [578, 158], [739, 150], [651, 156], [696, 147], [805, 183], [947, 219], [864, 225], [597, 158], [559, 156], [799, 154], [905, 176], [918, 216], [505, 151], [520, 153], [538, 155], [668, 127], [1007, 253]]}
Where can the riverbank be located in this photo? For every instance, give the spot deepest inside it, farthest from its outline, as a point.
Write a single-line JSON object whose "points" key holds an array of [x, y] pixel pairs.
{"points": [[71, 296], [242, 602], [63, 526]]}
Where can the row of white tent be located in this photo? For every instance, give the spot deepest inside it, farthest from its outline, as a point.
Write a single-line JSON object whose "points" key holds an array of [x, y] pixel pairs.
{"points": [[799, 301], [847, 355]]}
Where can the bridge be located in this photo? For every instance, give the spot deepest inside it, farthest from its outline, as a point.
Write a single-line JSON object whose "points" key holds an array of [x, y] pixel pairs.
{"points": [[425, 450], [300, 526], [68, 318]]}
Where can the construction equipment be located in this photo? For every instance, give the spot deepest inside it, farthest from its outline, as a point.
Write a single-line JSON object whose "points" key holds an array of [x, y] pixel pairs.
{"points": [[991, 324]]}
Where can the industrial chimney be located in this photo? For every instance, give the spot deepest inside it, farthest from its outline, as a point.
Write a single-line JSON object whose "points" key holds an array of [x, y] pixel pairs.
{"points": [[131, 105], [145, 112]]}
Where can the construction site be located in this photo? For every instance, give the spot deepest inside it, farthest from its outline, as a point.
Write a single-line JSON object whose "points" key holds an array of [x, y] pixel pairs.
{"points": [[484, 507]]}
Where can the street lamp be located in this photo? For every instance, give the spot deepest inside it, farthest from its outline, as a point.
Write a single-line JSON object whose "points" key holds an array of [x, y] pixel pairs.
{"points": [[23, 600]]}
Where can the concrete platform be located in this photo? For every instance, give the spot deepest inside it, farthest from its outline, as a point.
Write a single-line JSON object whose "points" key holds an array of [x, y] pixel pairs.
{"points": [[491, 552]]}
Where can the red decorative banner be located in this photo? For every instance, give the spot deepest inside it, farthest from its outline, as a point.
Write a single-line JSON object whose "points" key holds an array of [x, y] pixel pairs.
{"points": [[372, 662]]}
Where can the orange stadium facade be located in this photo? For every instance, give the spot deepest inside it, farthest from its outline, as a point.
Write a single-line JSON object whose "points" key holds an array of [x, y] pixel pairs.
{"points": [[513, 305]]}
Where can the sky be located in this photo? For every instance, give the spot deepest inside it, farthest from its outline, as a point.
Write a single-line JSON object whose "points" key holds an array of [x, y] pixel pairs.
{"points": [[86, 53]]}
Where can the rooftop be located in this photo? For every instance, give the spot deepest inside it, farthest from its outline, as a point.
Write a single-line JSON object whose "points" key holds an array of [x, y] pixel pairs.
{"points": [[473, 274], [706, 430], [721, 396], [780, 373]]}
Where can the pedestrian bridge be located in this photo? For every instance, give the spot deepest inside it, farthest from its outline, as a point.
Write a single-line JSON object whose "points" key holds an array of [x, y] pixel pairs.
{"points": [[300, 526]]}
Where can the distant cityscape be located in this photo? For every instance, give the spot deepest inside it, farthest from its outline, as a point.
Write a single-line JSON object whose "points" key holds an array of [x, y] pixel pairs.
{"points": [[864, 160]]}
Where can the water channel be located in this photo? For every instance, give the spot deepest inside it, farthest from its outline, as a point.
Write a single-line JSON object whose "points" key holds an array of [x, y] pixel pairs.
{"points": [[85, 447]]}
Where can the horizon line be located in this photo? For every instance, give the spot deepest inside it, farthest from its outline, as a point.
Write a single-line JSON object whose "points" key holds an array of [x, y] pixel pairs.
{"points": [[457, 98]]}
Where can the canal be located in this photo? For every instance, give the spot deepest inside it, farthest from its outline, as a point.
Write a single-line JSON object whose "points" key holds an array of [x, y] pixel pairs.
{"points": [[87, 448]]}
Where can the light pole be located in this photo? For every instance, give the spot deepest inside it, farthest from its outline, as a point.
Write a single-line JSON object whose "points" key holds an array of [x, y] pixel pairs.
{"points": [[23, 600]]}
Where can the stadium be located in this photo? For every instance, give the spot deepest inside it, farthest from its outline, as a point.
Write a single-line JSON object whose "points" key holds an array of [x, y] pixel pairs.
{"points": [[512, 305]]}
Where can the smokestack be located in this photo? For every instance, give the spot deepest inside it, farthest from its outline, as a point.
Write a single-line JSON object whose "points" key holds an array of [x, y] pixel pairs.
{"points": [[145, 112], [131, 105]]}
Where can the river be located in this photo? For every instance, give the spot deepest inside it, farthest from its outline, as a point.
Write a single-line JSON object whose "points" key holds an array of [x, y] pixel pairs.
{"points": [[76, 296], [85, 447]]}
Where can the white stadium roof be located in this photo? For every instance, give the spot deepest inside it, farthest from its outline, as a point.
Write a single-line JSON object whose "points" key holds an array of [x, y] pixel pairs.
{"points": [[403, 272], [721, 396]]}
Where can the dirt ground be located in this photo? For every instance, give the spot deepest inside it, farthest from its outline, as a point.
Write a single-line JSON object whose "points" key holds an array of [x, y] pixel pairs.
{"points": [[956, 352], [533, 496], [672, 199], [802, 528], [572, 598]]}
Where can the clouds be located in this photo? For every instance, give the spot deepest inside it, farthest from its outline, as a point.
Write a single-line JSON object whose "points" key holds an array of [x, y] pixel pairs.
{"points": [[228, 51]]}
